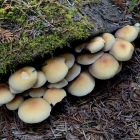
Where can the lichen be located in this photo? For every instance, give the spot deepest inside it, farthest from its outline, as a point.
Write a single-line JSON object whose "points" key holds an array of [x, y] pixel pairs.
{"points": [[39, 27]]}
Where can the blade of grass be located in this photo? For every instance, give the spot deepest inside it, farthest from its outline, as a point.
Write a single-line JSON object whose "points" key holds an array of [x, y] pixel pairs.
{"points": [[132, 5]]}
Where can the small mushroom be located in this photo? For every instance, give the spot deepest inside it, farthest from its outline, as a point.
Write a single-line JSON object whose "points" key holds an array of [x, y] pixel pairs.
{"points": [[60, 84], [34, 110], [54, 95], [69, 59], [41, 79], [82, 85], [127, 33], [37, 92], [55, 69], [105, 67], [23, 79], [79, 48], [95, 44], [109, 41], [73, 72], [5, 94], [87, 59], [137, 26], [122, 50], [15, 103]]}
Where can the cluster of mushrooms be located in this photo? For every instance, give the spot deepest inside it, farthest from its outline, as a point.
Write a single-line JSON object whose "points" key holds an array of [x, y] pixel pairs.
{"points": [[33, 91]]}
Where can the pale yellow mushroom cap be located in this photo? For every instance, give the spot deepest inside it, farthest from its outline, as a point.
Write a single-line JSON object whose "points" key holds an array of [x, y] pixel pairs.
{"points": [[41, 79], [69, 59], [128, 33], [95, 44], [5, 94], [23, 79], [34, 110], [122, 50], [87, 59], [37, 92], [109, 41], [59, 84], [54, 95], [105, 67], [82, 85], [15, 103], [73, 72], [55, 69]]}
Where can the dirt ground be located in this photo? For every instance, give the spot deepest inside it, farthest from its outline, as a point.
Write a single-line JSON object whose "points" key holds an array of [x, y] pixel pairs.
{"points": [[110, 112]]}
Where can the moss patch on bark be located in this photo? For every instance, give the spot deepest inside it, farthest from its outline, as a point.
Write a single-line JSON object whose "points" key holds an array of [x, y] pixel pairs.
{"points": [[37, 28]]}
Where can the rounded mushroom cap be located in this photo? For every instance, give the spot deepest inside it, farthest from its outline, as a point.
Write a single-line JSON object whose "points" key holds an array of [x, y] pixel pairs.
{"points": [[54, 95], [105, 67], [95, 44], [41, 79], [87, 59], [109, 41], [55, 69], [15, 103], [37, 92], [80, 47], [82, 85], [60, 84], [128, 33], [34, 110], [5, 94], [23, 79], [122, 50], [73, 72], [69, 59]]}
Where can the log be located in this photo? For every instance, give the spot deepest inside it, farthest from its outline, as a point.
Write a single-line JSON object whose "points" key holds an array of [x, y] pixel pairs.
{"points": [[28, 30]]}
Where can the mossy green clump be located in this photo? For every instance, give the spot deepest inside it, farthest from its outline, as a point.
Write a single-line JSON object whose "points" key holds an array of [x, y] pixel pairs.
{"points": [[38, 27]]}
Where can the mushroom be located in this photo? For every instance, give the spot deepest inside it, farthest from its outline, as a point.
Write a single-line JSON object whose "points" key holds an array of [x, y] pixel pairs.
{"points": [[37, 92], [122, 50], [5, 94], [82, 85], [87, 59], [54, 95], [15, 103], [128, 33], [55, 69], [59, 84], [109, 41], [137, 26], [73, 72], [41, 79], [34, 110], [105, 67], [95, 44], [69, 59], [23, 79], [79, 48]]}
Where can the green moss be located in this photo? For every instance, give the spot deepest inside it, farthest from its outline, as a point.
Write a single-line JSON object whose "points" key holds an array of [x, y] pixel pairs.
{"points": [[39, 28]]}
